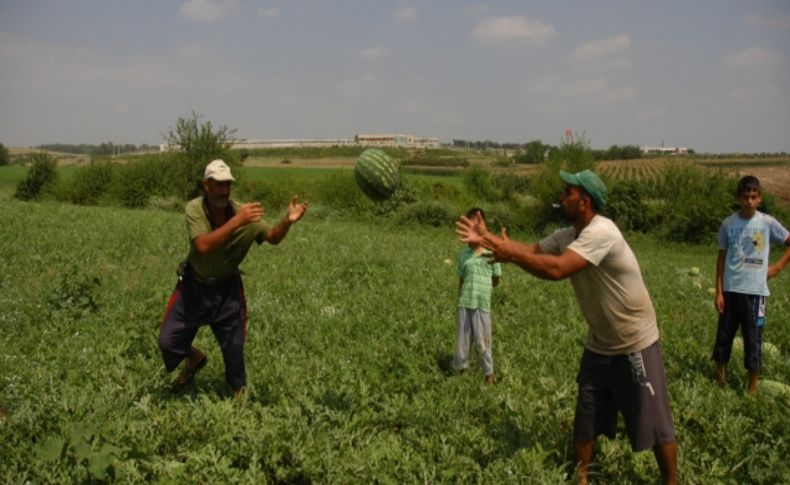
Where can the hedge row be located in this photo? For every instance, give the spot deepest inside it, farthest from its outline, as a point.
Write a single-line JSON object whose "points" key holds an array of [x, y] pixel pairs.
{"points": [[684, 203]]}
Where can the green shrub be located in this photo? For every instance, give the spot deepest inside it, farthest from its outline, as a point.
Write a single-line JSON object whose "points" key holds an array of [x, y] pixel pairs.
{"points": [[5, 157], [41, 177], [695, 202], [477, 181], [513, 215], [167, 203], [428, 213], [510, 184], [626, 207], [339, 191], [426, 161], [403, 195], [88, 184], [439, 190], [272, 194], [136, 181]]}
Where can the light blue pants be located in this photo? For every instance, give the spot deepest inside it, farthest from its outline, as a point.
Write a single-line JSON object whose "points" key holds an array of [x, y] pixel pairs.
{"points": [[474, 327]]}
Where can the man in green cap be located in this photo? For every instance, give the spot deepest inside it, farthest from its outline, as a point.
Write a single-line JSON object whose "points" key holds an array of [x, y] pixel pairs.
{"points": [[621, 368]]}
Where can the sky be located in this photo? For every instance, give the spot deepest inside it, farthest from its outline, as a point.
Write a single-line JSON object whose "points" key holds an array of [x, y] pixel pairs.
{"points": [[713, 76]]}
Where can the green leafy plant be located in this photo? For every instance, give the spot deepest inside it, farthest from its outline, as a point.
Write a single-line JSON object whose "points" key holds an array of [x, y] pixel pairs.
{"points": [[42, 176], [82, 445]]}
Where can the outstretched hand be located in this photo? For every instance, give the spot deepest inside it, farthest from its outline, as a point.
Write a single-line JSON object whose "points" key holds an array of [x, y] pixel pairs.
{"points": [[296, 210], [249, 213], [471, 230], [498, 253]]}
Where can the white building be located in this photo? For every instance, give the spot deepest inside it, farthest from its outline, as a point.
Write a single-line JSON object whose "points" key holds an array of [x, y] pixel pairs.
{"points": [[382, 140], [665, 150], [394, 140], [293, 143]]}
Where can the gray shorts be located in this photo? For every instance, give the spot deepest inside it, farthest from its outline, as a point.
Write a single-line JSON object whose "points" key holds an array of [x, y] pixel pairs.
{"points": [[631, 384]]}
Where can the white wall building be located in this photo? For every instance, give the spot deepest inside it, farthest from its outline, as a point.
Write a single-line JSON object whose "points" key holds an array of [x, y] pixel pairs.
{"points": [[363, 140], [665, 150]]}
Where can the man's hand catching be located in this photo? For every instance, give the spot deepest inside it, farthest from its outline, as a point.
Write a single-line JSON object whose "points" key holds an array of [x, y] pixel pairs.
{"points": [[296, 210], [471, 230], [249, 213]]}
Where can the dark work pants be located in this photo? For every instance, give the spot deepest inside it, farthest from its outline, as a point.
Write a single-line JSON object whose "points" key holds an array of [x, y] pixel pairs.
{"points": [[221, 306], [748, 313]]}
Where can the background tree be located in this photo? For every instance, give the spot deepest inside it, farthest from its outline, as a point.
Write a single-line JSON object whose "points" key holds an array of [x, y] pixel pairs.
{"points": [[198, 144], [5, 157], [535, 152], [41, 176]]}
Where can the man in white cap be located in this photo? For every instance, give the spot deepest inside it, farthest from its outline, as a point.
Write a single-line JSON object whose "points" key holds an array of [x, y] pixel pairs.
{"points": [[210, 290], [621, 370]]}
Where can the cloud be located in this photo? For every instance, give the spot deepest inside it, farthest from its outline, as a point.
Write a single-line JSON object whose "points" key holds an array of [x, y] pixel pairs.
{"points": [[518, 28], [206, 10], [406, 14], [367, 84], [375, 53], [595, 89], [601, 48], [751, 57], [765, 93], [779, 22], [270, 12], [478, 9], [415, 107], [653, 113]]}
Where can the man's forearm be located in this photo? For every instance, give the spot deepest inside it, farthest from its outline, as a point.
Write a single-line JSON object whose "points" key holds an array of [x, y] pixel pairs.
{"points": [[278, 232], [526, 256], [216, 238], [544, 266]]}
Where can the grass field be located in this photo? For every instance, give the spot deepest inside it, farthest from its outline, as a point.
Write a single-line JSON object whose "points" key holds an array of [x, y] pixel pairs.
{"points": [[348, 359]]}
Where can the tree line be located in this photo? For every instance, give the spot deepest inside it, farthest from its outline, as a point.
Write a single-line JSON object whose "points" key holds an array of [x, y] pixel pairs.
{"points": [[536, 151], [107, 148]]}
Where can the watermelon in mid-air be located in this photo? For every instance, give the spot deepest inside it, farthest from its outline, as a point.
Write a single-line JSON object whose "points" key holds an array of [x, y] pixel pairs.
{"points": [[376, 174]]}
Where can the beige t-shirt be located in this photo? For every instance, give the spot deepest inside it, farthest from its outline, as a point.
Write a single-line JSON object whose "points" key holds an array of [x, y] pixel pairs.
{"points": [[610, 291], [224, 260]]}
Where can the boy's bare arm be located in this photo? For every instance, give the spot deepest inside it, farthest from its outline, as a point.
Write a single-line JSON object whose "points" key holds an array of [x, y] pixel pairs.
{"points": [[719, 301], [778, 266]]}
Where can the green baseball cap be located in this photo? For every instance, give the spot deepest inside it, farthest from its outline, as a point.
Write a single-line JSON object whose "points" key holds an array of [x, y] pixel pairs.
{"points": [[591, 184]]}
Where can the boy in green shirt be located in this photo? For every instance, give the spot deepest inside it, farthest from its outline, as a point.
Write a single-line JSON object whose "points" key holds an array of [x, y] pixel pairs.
{"points": [[477, 277]]}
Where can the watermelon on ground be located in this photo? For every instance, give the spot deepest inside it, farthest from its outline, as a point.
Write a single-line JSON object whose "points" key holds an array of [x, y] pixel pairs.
{"points": [[376, 174], [768, 347], [773, 388]]}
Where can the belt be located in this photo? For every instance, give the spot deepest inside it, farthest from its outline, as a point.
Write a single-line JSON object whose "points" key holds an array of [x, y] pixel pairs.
{"points": [[184, 270], [214, 281]]}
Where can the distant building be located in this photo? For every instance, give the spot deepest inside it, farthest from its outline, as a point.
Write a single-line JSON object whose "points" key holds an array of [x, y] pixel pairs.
{"points": [[385, 140], [399, 141], [665, 150], [293, 143]]}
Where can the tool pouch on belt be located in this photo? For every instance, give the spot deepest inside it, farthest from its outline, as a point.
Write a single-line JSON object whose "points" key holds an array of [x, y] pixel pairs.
{"points": [[182, 270]]}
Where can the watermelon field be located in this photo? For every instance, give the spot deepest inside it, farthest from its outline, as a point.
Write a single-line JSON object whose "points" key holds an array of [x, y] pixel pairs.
{"points": [[349, 363]]}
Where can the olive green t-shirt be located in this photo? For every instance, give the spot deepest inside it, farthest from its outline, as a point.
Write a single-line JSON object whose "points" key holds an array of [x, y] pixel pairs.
{"points": [[225, 260]]}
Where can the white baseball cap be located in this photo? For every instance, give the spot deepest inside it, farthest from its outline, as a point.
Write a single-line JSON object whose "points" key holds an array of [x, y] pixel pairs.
{"points": [[219, 171]]}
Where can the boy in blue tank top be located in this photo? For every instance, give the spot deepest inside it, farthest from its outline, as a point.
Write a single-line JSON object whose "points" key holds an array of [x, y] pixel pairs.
{"points": [[742, 271]]}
